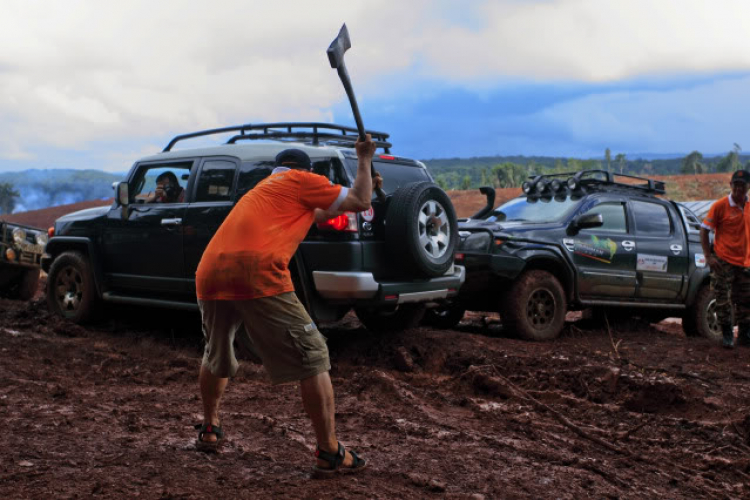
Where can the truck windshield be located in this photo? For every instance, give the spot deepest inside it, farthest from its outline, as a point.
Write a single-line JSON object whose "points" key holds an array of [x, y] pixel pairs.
{"points": [[535, 209]]}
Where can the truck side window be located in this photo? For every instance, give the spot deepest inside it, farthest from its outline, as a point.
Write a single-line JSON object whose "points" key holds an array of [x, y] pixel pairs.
{"points": [[613, 215], [215, 181], [651, 219]]}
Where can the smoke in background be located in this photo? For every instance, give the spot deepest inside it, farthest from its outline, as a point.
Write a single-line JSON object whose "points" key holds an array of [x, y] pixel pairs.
{"points": [[48, 188]]}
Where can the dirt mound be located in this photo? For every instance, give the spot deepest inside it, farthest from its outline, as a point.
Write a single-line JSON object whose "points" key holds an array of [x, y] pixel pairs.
{"points": [[45, 218], [108, 410]]}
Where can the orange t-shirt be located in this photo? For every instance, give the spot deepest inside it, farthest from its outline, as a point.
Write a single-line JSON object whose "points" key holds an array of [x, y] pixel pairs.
{"points": [[248, 257], [731, 225]]}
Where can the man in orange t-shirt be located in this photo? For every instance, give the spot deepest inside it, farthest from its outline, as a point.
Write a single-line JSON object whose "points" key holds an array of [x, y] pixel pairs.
{"points": [[729, 219], [243, 278]]}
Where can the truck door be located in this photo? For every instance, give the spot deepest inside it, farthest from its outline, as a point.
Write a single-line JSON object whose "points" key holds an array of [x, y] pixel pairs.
{"points": [[662, 253], [142, 243], [605, 256]]}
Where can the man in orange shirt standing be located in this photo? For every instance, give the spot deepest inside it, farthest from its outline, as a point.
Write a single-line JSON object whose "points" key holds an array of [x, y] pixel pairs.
{"points": [[243, 278], [729, 218]]}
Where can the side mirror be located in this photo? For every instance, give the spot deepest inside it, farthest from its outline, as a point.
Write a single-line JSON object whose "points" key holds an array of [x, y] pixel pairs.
{"points": [[586, 221], [122, 194]]}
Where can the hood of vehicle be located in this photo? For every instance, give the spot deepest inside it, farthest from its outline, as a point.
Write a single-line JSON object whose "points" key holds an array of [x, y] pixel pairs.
{"points": [[85, 214], [516, 228]]}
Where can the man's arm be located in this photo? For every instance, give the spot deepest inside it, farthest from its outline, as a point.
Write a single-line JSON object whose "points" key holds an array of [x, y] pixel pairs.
{"points": [[706, 245], [324, 215], [360, 195]]}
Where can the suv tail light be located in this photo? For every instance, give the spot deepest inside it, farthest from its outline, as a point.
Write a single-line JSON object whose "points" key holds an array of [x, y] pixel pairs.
{"points": [[346, 222]]}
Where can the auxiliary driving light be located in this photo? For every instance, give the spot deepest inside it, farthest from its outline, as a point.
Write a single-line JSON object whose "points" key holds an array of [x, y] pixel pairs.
{"points": [[572, 183], [10, 254], [526, 187]]}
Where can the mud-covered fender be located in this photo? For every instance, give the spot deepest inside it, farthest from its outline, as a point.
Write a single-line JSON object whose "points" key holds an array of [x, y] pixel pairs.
{"points": [[59, 244], [550, 259], [699, 278]]}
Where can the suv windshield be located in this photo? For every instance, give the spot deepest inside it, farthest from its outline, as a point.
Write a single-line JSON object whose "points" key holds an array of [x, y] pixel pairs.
{"points": [[534, 209]]}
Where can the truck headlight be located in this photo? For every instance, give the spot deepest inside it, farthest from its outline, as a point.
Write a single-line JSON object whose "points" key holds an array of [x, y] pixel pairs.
{"points": [[41, 239], [19, 235], [477, 241]]}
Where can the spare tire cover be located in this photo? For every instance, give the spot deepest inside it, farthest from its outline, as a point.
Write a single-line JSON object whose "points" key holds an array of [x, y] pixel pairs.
{"points": [[420, 229]]}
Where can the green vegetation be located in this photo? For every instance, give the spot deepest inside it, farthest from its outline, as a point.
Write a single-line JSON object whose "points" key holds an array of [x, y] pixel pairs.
{"points": [[511, 171], [8, 197]]}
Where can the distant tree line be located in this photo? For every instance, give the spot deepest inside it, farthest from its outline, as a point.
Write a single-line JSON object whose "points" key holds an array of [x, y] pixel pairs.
{"points": [[511, 171]]}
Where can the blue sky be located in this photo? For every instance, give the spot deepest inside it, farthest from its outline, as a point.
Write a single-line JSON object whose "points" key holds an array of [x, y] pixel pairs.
{"points": [[87, 84]]}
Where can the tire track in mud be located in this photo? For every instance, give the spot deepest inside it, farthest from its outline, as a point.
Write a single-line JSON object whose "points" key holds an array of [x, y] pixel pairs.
{"points": [[108, 410]]}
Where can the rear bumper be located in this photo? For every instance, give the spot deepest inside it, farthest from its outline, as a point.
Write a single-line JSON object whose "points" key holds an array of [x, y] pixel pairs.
{"points": [[362, 287]]}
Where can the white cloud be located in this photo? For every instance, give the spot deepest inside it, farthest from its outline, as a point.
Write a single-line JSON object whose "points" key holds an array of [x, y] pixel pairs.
{"points": [[78, 72]]}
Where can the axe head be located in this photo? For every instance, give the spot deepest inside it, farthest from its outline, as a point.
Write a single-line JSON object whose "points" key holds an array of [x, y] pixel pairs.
{"points": [[337, 48]]}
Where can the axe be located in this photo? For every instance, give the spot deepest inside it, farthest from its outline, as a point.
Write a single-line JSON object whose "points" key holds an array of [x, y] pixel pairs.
{"points": [[336, 57]]}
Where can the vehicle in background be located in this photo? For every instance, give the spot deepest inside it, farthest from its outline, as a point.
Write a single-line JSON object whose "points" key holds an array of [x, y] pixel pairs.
{"points": [[584, 240], [21, 249]]}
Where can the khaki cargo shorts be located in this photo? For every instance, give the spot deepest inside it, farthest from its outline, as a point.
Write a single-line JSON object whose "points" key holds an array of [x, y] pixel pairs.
{"points": [[279, 329]]}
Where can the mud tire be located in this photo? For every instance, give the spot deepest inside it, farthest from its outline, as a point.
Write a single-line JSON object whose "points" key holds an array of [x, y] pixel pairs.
{"points": [[421, 232], [443, 317], [28, 285], [700, 319], [400, 318], [535, 306], [71, 292]]}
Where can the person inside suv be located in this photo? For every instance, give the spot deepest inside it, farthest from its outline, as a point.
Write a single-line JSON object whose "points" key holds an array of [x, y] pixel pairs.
{"points": [[243, 277], [168, 189]]}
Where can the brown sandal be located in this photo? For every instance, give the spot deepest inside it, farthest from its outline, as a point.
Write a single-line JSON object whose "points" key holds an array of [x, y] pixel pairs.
{"points": [[335, 460], [209, 446]]}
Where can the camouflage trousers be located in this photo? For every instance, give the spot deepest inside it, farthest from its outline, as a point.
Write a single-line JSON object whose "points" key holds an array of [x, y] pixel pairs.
{"points": [[731, 285]]}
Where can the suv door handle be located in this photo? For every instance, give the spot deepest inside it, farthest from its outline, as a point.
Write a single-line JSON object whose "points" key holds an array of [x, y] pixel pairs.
{"points": [[628, 245], [171, 222]]}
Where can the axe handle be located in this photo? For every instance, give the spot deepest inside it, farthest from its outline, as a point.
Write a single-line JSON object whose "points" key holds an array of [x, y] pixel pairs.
{"points": [[346, 81]]}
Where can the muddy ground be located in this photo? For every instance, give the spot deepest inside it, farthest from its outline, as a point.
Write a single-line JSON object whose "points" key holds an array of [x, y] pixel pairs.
{"points": [[107, 410]]}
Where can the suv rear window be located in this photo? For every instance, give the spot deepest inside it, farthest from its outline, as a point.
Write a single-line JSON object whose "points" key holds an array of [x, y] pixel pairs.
{"points": [[394, 174]]}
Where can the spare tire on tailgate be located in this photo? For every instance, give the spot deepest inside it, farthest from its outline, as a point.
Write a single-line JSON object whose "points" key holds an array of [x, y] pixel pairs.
{"points": [[421, 231]]}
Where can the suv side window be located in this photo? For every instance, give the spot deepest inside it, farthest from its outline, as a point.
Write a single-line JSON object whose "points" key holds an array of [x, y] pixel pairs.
{"points": [[144, 185], [651, 219], [215, 181], [251, 173], [613, 215]]}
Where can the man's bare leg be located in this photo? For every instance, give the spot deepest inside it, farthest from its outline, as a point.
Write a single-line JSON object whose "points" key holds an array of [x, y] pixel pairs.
{"points": [[317, 398], [212, 389]]}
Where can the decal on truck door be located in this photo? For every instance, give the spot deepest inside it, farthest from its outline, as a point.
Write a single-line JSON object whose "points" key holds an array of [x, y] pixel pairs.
{"points": [[601, 250]]}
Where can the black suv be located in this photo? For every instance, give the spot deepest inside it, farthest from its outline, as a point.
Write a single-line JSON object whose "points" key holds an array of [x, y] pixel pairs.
{"points": [[583, 240], [388, 263]]}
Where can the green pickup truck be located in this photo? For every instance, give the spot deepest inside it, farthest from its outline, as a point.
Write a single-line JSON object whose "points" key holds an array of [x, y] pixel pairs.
{"points": [[583, 240]]}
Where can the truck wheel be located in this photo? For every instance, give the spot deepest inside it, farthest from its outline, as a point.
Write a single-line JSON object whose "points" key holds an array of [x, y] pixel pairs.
{"points": [[70, 287], [535, 307], [29, 284], [700, 320], [421, 229], [400, 318], [443, 317]]}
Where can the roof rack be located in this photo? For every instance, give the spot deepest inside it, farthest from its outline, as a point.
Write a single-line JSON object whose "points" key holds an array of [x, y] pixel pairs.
{"points": [[542, 183], [314, 131], [649, 185]]}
